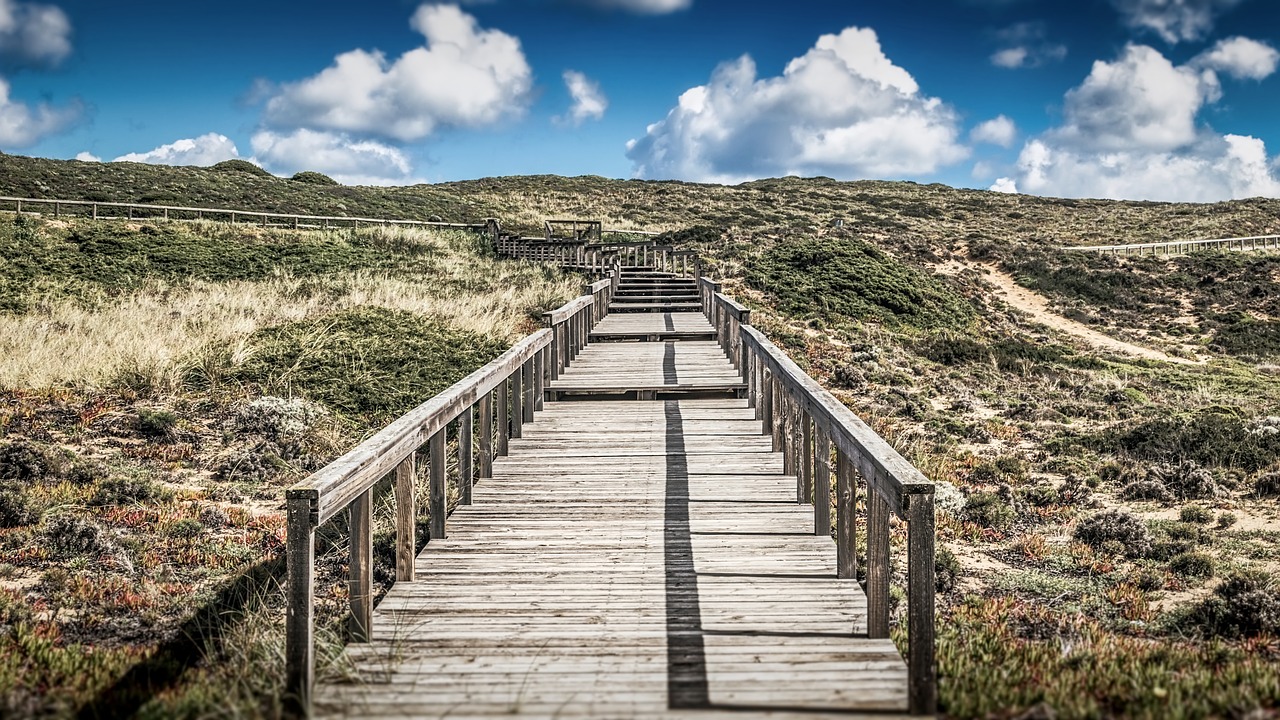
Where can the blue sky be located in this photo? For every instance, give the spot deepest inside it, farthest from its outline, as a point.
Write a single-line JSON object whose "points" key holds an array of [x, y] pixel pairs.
{"points": [[1138, 99]]}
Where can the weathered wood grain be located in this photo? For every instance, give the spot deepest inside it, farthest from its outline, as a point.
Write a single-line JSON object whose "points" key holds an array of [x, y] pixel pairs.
{"points": [[627, 559]]}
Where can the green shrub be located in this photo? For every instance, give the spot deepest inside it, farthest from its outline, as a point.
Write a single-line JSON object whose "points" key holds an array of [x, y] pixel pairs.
{"points": [[123, 490], [1246, 604], [1192, 565], [15, 508], [1212, 438], [1250, 338], [185, 528], [1118, 526], [156, 423], [1146, 490], [369, 362], [1195, 514], [71, 535], [1267, 485], [844, 278], [27, 462], [240, 166], [946, 570], [988, 510], [313, 178]]}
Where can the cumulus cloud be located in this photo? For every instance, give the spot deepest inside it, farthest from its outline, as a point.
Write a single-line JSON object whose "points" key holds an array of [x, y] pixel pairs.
{"points": [[641, 7], [999, 130], [842, 109], [1131, 131], [203, 151], [23, 125], [1241, 58], [33, 35], [1173, 20], [464, 76], [348, 160], [86, 156], [1004, 185], [589, 102], [1025, 45]]}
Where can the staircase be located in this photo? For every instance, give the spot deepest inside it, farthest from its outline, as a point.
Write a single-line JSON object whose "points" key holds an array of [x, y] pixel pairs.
{"points": [[644, 289]]}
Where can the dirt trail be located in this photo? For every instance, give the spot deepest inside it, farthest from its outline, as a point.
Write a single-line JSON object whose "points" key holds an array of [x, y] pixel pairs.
{"points": [[1031, 303]]}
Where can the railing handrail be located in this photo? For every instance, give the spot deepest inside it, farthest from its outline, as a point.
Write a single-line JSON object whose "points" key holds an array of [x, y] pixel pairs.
{"points": [[883, 467], [246, 213], [333, 487], [1167, 244], [563, 312]]}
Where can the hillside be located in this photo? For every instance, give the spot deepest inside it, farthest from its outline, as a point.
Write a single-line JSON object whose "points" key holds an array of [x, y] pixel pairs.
{"points": [[1103, 429]]}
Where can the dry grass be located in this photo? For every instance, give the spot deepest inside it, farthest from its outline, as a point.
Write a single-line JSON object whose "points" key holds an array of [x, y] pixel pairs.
{"points": [[161, 332]]}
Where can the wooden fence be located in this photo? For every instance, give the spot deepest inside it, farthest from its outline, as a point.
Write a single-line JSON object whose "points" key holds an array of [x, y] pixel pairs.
{"points": [[808, 425], [1182, 247], [597, 258], [141, 211], [504, 394]]}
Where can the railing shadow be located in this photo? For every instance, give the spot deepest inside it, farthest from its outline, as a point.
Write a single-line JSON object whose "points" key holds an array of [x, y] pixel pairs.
{"points": [[207, 627]]}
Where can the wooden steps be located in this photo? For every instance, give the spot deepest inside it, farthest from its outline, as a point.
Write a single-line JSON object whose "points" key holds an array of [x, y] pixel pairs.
{"points": [[649, 370]]}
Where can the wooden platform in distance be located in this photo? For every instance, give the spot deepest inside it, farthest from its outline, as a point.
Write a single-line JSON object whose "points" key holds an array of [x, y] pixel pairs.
{"points": [[653, 326], [690, 366], [627, 560]]}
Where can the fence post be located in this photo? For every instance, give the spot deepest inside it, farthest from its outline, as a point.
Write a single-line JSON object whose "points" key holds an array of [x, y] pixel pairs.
{"points": [[439, 485], [406, 518], [360, 567], [486, 436], [822, 485], [920, 599], [466, 455], [877, 565], [300, 616], [846, 534]]}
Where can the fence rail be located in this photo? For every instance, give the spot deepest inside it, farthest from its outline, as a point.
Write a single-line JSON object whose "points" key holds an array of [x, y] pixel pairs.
{"points": [[505, 394], [1182, 247], [139, 211], [808, 425]]}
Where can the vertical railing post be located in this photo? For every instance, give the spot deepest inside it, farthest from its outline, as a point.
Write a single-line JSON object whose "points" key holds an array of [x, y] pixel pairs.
{"points": [[822, 485], [504, 416], [766, 407], [300, 665], [466, 455], [877, 565], [920, 599], [779, 408], [846, 535], [540, 377], [527, 379], [806, 458], [486, 436], [360, 567], [517, 403], [406, 518], [438, 502]]}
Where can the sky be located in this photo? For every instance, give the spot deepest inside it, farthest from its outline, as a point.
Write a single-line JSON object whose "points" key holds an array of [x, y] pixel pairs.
{"points": [[1125, 99]]}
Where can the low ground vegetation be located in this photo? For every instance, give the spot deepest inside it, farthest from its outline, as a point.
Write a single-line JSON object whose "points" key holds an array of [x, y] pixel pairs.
{"points": [[1109, 530]]}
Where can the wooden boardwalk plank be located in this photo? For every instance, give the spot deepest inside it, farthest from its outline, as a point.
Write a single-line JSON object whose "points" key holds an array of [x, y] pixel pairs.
{"points": [[642, 559]]}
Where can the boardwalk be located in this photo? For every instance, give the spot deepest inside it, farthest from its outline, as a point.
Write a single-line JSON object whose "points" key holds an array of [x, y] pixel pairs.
{"points": [[638, 551]]}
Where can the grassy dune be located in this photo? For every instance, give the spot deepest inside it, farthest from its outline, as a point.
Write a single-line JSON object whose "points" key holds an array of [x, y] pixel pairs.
{"points": [[1109, 524]]}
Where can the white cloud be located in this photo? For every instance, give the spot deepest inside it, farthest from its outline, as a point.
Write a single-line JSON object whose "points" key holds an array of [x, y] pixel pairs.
{"points": [[842, 109], [33, 35], [999, 130], [464, 76], [23, 125], [1173, 20], [1004, 185], [347, 160], [1241, 58], [589, 102], [1131, 131], [86, 156], [643, 7], [203, 151], [1025, 45]]}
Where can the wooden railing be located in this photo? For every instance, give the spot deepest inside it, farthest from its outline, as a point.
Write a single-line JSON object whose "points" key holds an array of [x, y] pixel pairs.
{"points": [[505, 394], [598, 258], [808, 426], [139, 211], [1182, 247]]}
